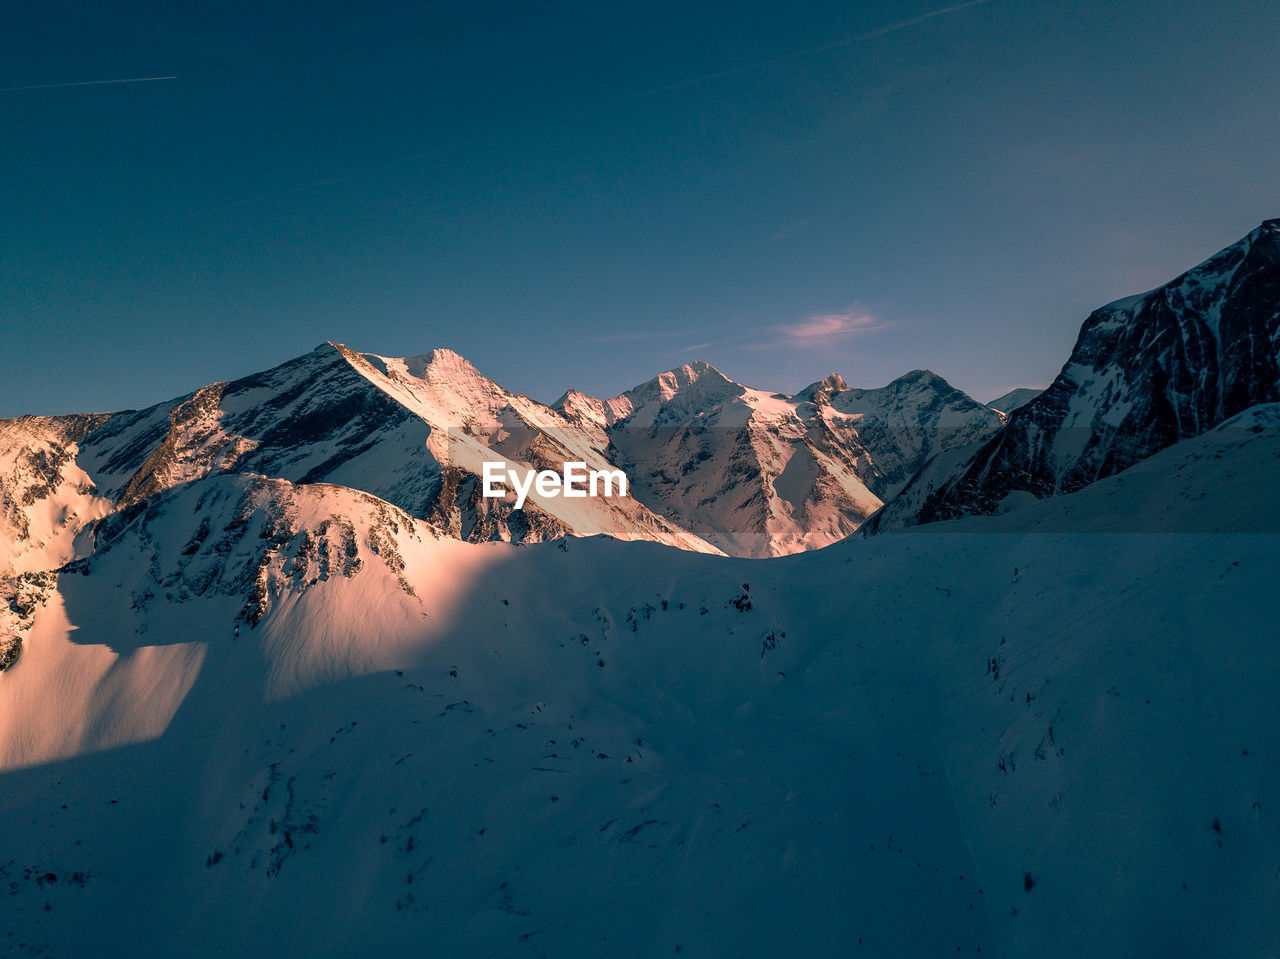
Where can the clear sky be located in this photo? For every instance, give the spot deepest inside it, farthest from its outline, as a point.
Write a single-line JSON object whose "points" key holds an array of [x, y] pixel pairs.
{"points": [[587, 194]]}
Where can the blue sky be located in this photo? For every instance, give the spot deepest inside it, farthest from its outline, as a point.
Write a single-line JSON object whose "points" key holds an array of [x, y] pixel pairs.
{"points": [[584, 195]]}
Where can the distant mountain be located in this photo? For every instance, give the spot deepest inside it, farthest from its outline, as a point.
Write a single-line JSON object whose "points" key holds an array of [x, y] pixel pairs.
{"points": [[714, 465], [410, 431], [1010, 401], [766, 474], [1146, 372], [903, 424]]}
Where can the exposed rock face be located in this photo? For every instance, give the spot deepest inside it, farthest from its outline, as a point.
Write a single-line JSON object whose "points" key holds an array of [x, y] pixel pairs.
{"points": [[1146, 372], [46, 499]]}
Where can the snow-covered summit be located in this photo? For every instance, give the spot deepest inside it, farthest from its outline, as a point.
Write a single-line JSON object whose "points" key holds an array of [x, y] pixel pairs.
{"points": [[823, 389], [410, 431], [1006, 403], [908, 420], [674, 396], [760, 473]]}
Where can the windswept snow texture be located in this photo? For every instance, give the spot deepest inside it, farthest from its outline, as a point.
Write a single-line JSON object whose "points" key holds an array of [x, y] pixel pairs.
{"points": [[268, 718], [765, 474], [1146, 372]]}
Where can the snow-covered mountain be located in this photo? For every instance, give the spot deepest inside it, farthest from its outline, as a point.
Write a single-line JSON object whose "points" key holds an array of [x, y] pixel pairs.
{"points": [[1146, 372], [45, 496], [903, 424], [714, 464], [410, 431], [274, 679], [766, 474], [266, 717], [1006, 403]]}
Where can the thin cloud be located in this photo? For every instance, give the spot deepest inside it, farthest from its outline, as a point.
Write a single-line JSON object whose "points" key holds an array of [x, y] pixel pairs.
{"points": [[824, 327], [791, 230], [904, 24], [84, 83], [817, 331]]}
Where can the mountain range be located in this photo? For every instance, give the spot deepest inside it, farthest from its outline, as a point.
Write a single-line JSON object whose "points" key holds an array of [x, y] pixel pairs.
{"points": [[274, 677], [715, 466]]}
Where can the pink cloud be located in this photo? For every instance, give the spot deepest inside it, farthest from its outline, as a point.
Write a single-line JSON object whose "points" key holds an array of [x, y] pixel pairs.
{"points": [[825, 326]]}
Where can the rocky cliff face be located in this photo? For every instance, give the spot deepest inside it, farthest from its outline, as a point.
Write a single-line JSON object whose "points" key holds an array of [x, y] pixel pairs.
{"points": [[1146, 372]]}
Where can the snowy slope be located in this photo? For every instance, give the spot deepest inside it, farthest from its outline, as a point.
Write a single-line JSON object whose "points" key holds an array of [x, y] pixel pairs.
{"points": [[1206, 484], [45, 501], [765, 474], [1029, 743], [45, 497], [1006, 403], [1146, 372]]}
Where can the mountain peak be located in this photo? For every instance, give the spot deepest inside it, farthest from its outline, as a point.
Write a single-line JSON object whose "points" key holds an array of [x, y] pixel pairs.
{"points": [[823, 388], [835, 381], [923, 378], [444, 355], [1267, 233], [1008, 402], [570, 397], [441, 363], [699, 374], [693, 371], [583, 409], [327, 348]]}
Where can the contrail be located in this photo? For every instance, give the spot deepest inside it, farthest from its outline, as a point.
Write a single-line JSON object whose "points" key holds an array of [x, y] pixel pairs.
{"points": [[903, 24], [640, 95], [786, 57], [84, 83]]}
